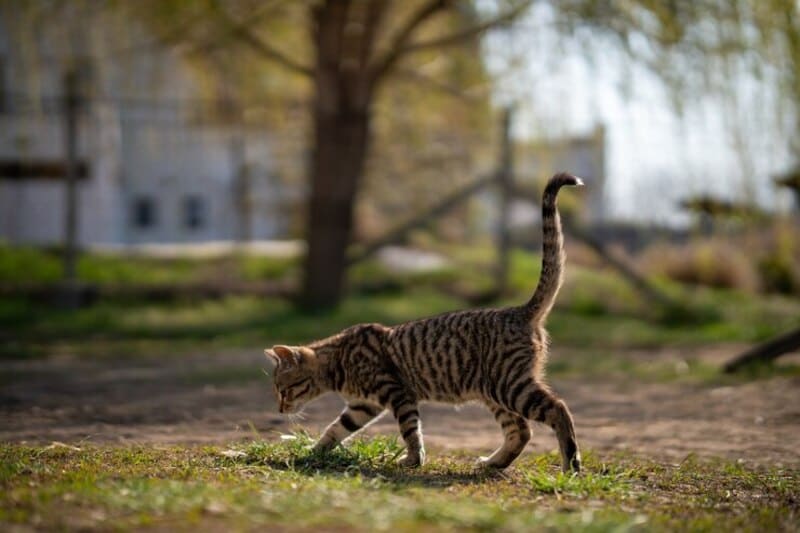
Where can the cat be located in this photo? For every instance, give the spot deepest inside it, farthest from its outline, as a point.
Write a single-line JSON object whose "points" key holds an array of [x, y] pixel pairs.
{"points": [[493, 355]]}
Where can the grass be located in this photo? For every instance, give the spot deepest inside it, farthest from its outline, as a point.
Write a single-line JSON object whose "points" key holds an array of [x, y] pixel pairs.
{"points": [[283, 485], [27, 265], [134, 328]]}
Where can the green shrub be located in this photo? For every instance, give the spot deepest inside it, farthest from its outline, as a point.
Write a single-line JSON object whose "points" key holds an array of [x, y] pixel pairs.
{"points": [[779, 266], [28, 265], [778, 274]]}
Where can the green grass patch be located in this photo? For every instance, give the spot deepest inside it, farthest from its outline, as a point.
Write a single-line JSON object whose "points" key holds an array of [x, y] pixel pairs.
{"points": [[131, 328], [284, 485], [597, 311], [28, 265], [255, 268]]}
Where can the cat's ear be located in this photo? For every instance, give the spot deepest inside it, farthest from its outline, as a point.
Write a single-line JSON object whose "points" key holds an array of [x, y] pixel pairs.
{"points": [[272, 357], [285, 355]]}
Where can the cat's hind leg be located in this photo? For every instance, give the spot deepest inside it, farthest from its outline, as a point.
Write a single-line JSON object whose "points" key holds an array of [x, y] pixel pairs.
{"points": [[536, 402], [517, 433], [355, 417]]}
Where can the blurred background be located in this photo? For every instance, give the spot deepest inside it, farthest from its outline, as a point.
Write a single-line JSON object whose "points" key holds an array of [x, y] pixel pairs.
{"points": [[183, 183]]}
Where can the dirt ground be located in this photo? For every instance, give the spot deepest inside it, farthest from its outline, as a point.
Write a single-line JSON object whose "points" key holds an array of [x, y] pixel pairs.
{"points": [[225, 398]]}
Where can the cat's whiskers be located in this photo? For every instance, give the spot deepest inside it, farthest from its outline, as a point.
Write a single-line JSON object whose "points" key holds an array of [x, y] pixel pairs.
{"points": [[297, 417]]}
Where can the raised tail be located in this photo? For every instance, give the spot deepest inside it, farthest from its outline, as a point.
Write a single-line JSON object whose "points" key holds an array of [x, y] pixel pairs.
{"points": [[552, 250]]}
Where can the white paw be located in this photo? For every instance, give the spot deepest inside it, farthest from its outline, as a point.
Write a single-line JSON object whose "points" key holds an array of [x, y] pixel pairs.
{"points": [[482, 461], [411, 461], [487, 463]]}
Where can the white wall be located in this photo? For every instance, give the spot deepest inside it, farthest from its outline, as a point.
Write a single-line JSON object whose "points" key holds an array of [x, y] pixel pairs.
{"points": [[171, 162], [33, 209], [137, 136]]}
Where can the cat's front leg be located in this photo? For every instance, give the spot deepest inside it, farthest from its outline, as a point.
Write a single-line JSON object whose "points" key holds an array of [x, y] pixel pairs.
{"points": [[355, 417], [517, 433], [407, 415]]}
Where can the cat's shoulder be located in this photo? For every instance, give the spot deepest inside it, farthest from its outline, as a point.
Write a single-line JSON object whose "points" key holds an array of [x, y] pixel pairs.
{"points": [[366, 329]]}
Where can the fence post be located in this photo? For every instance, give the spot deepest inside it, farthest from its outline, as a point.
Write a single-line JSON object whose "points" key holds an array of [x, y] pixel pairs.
{"points": [[242, 190], [70, 294]]}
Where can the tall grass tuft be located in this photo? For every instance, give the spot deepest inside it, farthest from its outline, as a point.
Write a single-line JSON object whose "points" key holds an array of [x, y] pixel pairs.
{"points": [[709, 262]]}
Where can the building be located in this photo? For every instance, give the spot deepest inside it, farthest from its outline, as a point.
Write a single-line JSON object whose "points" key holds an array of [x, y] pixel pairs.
{"points": [[154, 168]]}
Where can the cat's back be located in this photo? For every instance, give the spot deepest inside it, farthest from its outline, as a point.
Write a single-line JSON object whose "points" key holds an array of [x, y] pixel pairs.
{"points": [[443, 356], [473, 325]]}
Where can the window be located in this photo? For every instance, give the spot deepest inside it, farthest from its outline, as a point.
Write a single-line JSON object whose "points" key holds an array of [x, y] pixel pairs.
{"points": [[194, 211], [144, 213]]}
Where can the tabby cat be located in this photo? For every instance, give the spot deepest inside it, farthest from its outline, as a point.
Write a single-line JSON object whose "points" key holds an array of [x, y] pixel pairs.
{"points": [[493, 355]]}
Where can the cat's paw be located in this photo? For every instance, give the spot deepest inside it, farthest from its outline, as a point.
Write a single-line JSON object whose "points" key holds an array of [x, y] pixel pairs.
{"points": [[486, 463], [574, 465], [411, 460]]}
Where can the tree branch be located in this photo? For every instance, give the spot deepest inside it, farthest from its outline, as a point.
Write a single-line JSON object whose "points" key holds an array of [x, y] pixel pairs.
{"points": [[373, 19], [399, 233], [765, 352], [246, 35], [400, 41], [451, 90], [468, 33]]}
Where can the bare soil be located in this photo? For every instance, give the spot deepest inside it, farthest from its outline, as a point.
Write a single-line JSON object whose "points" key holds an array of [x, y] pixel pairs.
{"points": [[225, 398]]}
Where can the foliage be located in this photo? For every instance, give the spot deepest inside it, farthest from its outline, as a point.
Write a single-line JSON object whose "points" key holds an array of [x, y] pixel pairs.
{"points": [[703, 36], [780, 265], [778, 274]]}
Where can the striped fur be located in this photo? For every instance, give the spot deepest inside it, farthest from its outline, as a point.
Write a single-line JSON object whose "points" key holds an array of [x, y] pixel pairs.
{"points": [[493, 355]]}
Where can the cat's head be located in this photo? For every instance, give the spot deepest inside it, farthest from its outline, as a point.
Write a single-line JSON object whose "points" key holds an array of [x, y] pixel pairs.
{"points": [[295, 376]]}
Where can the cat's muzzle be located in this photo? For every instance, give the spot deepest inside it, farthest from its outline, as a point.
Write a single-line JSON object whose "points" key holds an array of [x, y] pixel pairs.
{"points": [[288, 408]]}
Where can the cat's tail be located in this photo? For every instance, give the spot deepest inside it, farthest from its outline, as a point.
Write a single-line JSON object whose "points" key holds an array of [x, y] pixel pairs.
{"points": [[552, 250]]}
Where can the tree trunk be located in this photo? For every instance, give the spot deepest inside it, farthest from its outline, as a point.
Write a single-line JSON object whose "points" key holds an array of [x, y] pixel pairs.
{"points": [[71, 103], [343, 91], [340, 141]]}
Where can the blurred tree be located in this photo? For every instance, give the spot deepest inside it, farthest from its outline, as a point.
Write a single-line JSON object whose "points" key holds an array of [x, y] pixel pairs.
{"points": [[352, 48]]}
